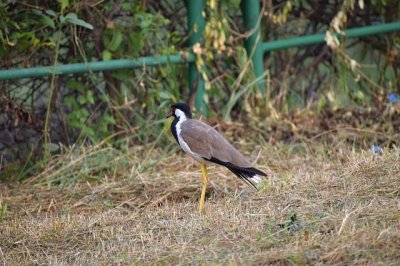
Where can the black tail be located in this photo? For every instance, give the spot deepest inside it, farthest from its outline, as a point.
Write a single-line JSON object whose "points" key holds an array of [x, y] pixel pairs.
{"points": [[244, 173]]}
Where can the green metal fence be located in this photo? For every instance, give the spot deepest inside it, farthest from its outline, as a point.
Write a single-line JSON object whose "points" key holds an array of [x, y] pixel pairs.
{"points": [[196, 22], [255, 44], [96, 66]]}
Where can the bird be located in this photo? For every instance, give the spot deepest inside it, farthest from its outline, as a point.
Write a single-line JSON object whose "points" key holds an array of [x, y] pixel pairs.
{"points": [[206, 145]]}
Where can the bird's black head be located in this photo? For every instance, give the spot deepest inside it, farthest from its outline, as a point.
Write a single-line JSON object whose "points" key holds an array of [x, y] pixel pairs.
{"points": [[183, 107]]}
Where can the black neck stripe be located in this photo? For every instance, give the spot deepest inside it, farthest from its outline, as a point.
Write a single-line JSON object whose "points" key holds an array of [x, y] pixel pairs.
{"points": [[173, 128]]}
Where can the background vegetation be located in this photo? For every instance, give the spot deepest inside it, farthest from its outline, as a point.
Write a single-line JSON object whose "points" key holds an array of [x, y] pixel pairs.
{"points": [[88, 108], [84, 158]]}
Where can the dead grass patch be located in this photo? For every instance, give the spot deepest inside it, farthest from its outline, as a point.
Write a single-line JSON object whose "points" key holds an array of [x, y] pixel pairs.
{"points": [[313, 209]]}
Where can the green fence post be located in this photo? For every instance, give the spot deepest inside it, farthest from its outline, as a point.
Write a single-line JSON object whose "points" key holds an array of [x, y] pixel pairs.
{"points": [[251, 14], [196, 23]]}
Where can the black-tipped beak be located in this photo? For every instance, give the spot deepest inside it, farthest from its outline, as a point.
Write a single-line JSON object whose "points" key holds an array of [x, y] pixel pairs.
{"points": [[171, 113]]}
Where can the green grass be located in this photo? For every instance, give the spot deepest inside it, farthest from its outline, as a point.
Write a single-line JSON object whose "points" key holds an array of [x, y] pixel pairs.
{"points": [[321, 204]]}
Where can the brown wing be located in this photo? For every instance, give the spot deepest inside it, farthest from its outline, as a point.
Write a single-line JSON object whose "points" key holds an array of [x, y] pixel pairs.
{"points": [[209, 143]]}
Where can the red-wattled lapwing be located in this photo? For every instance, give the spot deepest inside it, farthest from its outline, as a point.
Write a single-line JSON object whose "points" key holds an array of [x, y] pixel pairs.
{"points": [[204, 144]]}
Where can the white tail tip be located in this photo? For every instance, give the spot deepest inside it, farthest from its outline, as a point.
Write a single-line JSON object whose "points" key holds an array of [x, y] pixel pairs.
{"points": [[255, 179]]}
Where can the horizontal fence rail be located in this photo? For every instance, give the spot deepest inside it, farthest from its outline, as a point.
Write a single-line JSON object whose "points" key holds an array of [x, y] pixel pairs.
{"points": [[319, 38], [96, 66], [43, 71], [254, 44]]}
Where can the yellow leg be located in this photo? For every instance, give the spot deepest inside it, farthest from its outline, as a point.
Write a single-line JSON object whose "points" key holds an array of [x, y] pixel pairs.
{"points": [[203, 192]]}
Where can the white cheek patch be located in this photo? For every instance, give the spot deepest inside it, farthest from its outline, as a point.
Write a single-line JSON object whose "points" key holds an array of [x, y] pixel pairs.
{"points": [[180, 114]]}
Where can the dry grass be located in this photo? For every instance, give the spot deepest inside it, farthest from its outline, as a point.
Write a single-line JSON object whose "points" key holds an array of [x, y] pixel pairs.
{"points": [[315, 208]]}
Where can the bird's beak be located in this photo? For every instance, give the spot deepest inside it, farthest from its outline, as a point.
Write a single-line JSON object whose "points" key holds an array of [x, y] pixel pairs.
{"points": [[171, 113]]}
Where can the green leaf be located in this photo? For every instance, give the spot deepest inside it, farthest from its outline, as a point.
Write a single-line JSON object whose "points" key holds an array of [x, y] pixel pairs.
{"points": [[164, 95], [76, 85], [84, 113], [3, 210], [146, 22], [106, 55], [87, 131], [81, 99], [109, 119], [62, 19], [358, 94], [115, 41], [51, 13], [73, 19], [242, 57], [70, 101], [127, 6], [37, 12], [64, 4], [136, 40], [52, 147], [48, 21], [89, 97]]}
